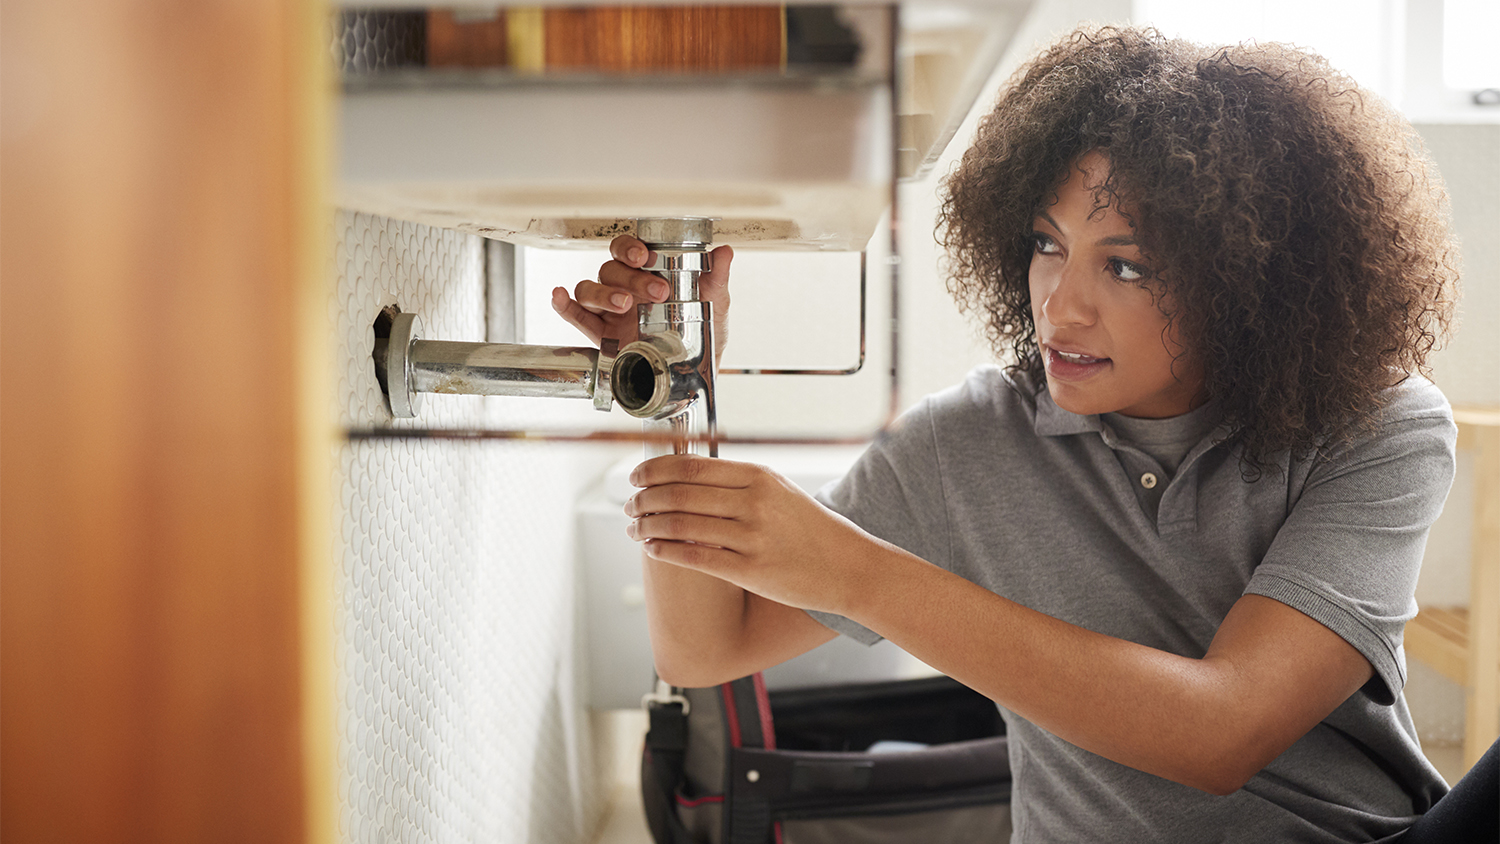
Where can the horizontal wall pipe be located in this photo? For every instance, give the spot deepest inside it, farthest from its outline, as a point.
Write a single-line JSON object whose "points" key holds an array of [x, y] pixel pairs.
{"points": [[408, 366], [503, 369]]}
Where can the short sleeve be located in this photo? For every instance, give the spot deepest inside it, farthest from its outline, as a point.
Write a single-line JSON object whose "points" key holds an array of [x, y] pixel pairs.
{"points": [[1350, 550], [895, 492]]}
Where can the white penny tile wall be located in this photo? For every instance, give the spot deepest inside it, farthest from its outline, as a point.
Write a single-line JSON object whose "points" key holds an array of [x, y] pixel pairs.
{"points": [[460, 719]]}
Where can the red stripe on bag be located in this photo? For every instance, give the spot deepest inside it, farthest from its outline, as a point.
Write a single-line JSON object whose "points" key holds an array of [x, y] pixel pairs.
{"points": [[730, 715], [763, 703], [699, 801]]}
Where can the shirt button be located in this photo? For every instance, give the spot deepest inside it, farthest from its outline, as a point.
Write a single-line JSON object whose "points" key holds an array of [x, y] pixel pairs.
{"points": [[1148, 480]]}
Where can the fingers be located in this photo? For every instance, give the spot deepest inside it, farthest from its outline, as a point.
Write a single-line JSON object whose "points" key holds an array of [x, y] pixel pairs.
{"points": [[717, 279], [629, 250], [623, 274], [688, 498], [705, 558], [602, 299], [688, 527], [691, 469], [641, 285], [590, 324]]}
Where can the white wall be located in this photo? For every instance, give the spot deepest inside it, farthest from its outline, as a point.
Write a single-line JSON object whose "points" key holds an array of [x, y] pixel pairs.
{"points": [[1468, 156], [459, 702]]}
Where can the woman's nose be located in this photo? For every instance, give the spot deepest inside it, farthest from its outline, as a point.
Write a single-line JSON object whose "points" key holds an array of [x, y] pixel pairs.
{"points": [[1067, 300]]}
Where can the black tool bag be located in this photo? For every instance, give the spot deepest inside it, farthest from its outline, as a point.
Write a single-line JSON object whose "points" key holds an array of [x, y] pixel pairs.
{"points": [[734, 765]]}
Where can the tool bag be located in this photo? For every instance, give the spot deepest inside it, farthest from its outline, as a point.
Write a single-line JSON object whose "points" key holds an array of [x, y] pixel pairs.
{"points": [[903, 761]]}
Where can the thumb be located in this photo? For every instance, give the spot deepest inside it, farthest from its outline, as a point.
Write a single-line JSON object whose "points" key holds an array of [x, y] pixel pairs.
{"points": [[714, 284]]}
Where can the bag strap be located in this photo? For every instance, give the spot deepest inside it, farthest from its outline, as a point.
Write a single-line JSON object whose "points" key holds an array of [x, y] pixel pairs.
{"points": [[747, 711], [662, 761], [747, 724], [747, 714]]}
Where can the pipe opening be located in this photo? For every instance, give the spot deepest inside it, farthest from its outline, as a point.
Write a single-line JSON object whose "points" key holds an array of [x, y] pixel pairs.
{"points": [[635, 381]]}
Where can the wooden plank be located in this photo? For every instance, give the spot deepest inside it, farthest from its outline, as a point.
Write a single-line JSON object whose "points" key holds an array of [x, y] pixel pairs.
{"points": [[153, 251], [455, 42], [1431, 644], [1482, 712], [1449, 622], [1485, 417], [665, 38]]}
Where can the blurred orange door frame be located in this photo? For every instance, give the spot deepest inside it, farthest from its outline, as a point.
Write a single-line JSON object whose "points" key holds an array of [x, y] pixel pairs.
{"points": [[165, 655]]}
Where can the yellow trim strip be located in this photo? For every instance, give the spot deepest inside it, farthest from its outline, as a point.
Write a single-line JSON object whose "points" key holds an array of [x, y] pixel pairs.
{"points": [[526, 39], [311, 96], [783, 38]]}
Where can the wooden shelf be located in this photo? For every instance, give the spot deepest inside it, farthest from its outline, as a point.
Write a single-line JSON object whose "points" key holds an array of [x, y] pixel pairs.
{"points": [[1439, 636], [1463, 643]]}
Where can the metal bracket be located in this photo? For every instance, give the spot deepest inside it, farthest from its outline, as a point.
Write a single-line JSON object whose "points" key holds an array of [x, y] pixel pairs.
{"points": [[604, 393], [664, 694]]}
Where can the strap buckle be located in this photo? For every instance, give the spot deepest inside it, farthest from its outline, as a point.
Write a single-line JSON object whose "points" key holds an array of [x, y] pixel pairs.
{"points": [[664, 695]]}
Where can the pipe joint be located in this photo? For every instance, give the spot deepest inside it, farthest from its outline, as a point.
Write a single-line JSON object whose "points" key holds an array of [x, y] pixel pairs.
{"points": [[655, 377]]}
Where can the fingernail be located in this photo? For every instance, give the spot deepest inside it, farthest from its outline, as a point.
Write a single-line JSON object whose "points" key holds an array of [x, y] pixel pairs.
{"points": [[637, 254], [658, 290], [630, 530], [620, 300]]}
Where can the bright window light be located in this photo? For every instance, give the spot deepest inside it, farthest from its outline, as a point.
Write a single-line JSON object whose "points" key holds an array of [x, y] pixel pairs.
{"points": [[1359, 37], [1470, 60]]}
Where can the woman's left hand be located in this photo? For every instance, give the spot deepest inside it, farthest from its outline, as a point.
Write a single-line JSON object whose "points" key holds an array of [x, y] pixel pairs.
{"points": [[750, 526]]}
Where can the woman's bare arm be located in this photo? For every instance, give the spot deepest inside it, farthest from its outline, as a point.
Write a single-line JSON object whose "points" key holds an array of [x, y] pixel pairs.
{"points": [[703, 629], [706, 631], [1269, 676]]}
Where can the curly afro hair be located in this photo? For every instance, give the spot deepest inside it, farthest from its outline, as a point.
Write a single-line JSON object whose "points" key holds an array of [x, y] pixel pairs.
{"points": [[1295, 222]]}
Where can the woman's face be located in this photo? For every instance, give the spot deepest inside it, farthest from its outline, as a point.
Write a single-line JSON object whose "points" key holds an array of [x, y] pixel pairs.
{"points": [[1102, 333]]}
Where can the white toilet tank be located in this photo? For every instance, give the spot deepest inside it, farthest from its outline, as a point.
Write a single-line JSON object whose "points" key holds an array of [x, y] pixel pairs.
{"points": [[613, 599]]}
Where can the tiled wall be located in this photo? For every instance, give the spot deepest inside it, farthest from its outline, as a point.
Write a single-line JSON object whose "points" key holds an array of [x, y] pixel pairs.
{"points": [[460, 716]]}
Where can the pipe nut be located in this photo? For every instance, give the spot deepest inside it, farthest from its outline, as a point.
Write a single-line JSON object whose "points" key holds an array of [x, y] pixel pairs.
{"points": [[680, 262], [678, 232]]}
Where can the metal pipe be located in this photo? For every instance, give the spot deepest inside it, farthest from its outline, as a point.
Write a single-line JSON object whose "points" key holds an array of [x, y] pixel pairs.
{"points": [[859, 361], [504, 369], [667, 377], [408, 366]]}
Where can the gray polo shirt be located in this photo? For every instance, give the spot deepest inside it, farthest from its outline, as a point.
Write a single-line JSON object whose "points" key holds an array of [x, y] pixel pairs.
{"points": [[995, 482]]}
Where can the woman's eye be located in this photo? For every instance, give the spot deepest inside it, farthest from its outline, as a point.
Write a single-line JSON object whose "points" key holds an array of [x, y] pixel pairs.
{"points": [[1044, 244], [1126, 271]]}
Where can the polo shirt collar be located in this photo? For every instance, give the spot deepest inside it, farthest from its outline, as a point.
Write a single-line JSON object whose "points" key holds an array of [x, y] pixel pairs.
{"points": [[1053, 421]]}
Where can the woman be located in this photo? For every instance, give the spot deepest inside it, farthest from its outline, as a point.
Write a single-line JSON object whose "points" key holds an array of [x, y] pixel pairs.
{"points": [[1178, 539]]}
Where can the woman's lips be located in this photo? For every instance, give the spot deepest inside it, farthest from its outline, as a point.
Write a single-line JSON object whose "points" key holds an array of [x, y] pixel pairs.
{"points": [[1073, 366]]}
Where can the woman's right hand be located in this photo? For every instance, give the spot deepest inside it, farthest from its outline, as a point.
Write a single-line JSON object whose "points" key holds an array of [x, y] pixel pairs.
{"points": [[606, 309]]}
